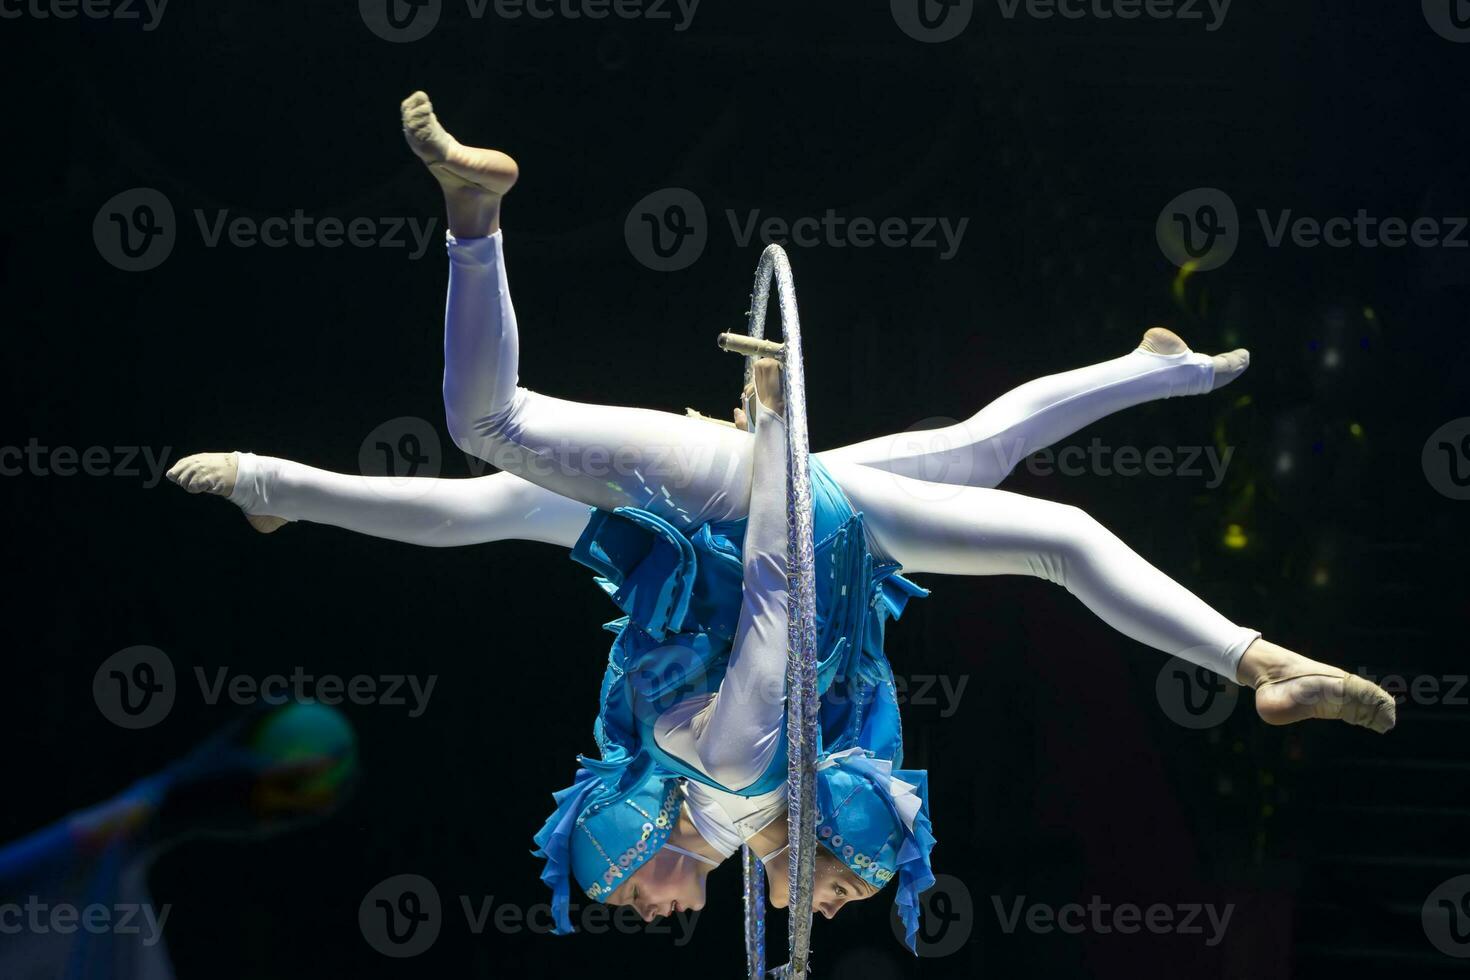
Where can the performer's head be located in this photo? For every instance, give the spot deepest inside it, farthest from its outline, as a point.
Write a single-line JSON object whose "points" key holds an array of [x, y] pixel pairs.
{"points": [[620, 836], [834, 884], [873, 825], [670, 882]]}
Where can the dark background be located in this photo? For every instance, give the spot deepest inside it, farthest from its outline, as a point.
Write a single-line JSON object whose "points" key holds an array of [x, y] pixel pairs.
{"points": [[1060, 776]]}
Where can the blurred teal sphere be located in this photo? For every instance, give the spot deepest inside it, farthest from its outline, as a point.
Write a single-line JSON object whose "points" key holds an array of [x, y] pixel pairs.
{"points": [[304, 731]]}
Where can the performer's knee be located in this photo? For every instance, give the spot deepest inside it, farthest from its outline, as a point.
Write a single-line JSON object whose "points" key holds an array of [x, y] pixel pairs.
{"points": [[1073, 540], [464, 436], [475, 435]]}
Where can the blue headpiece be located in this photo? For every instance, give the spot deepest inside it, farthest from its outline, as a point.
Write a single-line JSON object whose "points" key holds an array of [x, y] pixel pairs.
{"points": [[607, 824], [876, 820]]}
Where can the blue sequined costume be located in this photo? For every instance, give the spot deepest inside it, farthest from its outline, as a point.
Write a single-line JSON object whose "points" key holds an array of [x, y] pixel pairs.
{"points": [[682, 598]]}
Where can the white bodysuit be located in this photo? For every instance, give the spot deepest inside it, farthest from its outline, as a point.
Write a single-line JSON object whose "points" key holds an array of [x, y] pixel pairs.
{"points": [[562, 457]]}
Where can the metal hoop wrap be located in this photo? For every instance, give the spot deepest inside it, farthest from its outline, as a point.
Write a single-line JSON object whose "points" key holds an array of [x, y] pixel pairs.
{"points": [[801, 672], [755, 913]]}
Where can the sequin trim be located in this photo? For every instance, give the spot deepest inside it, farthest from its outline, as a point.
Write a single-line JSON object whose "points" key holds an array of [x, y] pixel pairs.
{"points": [[655, 831]]}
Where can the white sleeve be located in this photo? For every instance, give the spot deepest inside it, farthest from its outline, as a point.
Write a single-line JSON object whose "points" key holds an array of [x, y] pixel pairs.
{"points": [[743, 723], [431, 512]]}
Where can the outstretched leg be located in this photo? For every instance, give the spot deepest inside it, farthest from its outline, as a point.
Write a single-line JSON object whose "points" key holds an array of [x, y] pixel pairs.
{"points": [[691, 472], [434, 513], [982, 451], [977, 531], [459, 512]]}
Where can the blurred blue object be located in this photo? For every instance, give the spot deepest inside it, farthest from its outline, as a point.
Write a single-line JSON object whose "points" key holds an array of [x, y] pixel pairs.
{"points": [[74, 900]]}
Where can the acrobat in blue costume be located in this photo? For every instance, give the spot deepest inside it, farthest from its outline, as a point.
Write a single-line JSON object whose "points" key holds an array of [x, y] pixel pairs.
{"points": [[682, 596]]}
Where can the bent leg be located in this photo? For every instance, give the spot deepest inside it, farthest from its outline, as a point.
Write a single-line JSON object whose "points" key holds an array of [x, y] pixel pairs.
{"points": [[685, 470], [980, 531]]}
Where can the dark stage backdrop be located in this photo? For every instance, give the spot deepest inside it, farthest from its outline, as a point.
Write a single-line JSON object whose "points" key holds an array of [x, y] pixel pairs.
{"points": [[1066, 768]]}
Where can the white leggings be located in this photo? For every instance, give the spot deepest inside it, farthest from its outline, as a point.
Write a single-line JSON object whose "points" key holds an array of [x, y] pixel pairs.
{"points": [[690, 471]]}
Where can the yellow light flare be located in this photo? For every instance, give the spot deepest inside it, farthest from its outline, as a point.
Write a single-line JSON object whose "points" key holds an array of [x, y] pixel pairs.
{"points": [[1235, 537], [1181, 279]]}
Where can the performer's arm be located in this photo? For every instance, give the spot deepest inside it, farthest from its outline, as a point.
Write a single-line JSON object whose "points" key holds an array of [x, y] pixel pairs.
{"points": [[744, 722]]}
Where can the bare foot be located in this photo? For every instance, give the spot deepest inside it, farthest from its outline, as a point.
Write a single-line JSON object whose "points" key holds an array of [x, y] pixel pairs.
{"points": [[1228, 366], [1290, 688], [473, 180], [216, 473]]}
